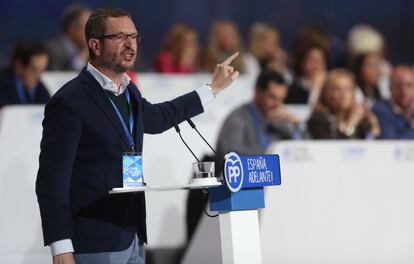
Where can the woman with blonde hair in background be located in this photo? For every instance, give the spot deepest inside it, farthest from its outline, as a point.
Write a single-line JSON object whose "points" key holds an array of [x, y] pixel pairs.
{"points": [[179, 53], [224, 39], [265, 51], [337, 115]]}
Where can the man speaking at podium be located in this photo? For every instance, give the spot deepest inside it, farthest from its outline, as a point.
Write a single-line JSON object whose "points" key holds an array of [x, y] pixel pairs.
{"points": [[85, 133]]}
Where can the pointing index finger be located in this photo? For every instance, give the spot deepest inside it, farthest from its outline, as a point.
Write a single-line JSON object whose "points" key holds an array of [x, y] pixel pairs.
{"points": [[230, 59]]}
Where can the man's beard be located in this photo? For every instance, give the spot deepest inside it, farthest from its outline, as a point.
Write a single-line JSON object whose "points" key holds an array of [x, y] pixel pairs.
{"points": [[115, 65]]}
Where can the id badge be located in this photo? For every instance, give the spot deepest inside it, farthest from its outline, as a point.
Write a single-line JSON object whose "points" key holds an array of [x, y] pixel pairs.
{"points": [[132, 169]]}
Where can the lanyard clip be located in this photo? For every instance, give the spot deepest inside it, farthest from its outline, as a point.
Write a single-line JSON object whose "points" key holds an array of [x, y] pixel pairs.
{"points": [[133, 148]]}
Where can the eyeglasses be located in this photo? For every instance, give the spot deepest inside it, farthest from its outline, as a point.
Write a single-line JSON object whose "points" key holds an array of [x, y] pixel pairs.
{"points": [[122, 37]]}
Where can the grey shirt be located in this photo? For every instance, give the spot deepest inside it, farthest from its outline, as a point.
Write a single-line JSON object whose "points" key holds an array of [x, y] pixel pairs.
{"points": [[241, 133]]}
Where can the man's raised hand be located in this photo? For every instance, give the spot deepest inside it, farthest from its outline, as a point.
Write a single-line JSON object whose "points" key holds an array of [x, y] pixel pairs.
{"points": [[224, 74]]}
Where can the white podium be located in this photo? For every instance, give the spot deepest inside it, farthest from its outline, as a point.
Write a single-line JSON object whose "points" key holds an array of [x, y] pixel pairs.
{"points": [[239, 229]]}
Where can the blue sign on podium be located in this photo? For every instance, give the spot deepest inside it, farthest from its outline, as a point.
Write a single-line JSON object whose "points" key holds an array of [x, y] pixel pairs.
{"points": [[244, 172], [245, 177]]}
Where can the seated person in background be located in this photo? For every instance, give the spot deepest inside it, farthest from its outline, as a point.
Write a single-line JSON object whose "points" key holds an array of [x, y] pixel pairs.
{"points": [[69, 51], [310, 74], [265, 51], [396, 116], [364, 39], [367, 72], [179, 53], [20, 82], [337, 116], [253, 126], [223, 41], [311, 35]]}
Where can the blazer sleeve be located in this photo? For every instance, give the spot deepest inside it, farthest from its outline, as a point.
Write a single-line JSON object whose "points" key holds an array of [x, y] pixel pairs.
{"points": [[61, 133], [163, 116]]}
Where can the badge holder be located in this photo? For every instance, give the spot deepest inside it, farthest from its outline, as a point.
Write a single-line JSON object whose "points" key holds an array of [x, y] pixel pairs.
{"points": [[132, 170]]}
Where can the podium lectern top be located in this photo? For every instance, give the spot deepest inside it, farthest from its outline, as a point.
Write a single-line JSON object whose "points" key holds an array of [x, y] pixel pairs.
{"points": [[165, 188]]}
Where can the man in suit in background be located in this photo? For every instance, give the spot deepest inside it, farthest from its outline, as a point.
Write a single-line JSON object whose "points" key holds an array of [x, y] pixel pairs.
{"points": [[396, 116], [20, 82], [69, 50], [89, 123], [251, 128]]}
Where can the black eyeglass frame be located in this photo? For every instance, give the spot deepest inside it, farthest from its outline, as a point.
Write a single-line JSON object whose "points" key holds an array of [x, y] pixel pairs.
{"points": [[122, 36]]}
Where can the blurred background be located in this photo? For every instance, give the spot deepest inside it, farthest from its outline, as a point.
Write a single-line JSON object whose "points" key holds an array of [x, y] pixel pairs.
{"points": [[328, 85], [40, 20]]}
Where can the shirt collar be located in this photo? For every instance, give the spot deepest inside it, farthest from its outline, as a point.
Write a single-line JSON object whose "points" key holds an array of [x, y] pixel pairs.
{"points": [[106, 83]]}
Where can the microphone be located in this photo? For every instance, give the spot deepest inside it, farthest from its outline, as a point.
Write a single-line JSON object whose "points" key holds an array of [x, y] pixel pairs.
{"points": [[177, 129], [190, 122]]}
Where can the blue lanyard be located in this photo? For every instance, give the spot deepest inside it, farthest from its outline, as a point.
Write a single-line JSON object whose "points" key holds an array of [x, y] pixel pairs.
{"points": [[128, 132], [20, 92], [264, 139]]}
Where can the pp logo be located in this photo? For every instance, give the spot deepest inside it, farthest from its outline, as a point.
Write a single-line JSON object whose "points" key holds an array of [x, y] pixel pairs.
{"points": [[233, 172]]}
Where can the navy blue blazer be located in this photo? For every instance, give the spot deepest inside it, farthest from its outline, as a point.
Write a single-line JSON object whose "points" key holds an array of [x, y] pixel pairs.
{"points": [[8, 91], [392, 124], [81, 160]]}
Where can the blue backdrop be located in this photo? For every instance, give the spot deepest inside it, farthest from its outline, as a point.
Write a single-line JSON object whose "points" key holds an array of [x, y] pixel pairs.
{"points": [[40, 20]]}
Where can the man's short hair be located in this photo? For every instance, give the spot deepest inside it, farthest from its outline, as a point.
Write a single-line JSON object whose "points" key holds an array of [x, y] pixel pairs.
{"points": [[71, 15], [268, 76], [95, 26], [25, 50]]}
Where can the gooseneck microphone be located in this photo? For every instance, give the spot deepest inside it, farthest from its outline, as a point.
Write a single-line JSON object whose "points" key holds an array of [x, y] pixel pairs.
{"points": [[190, 122], [177, 128]]}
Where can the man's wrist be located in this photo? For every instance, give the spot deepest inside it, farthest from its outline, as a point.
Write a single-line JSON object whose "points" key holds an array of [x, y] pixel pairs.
{"points": [[205, 94], [212, 89]]}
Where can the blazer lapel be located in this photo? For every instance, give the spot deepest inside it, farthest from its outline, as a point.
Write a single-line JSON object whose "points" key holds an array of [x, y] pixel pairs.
{"points": [[96, 92]]}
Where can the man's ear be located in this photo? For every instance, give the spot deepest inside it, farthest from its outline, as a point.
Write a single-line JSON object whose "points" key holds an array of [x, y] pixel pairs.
{"points": [[95, 46]]}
